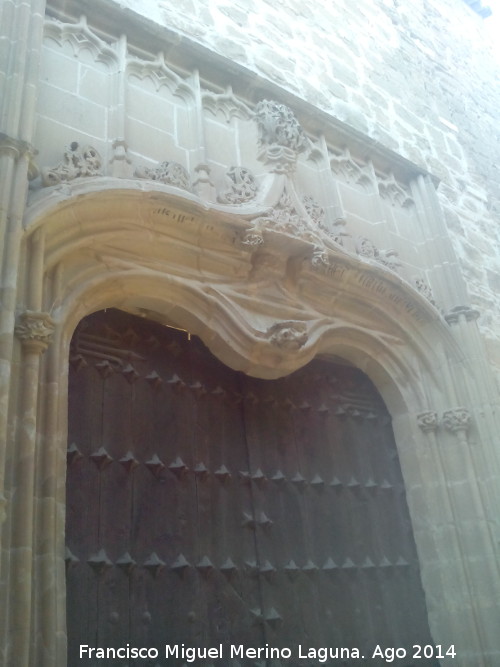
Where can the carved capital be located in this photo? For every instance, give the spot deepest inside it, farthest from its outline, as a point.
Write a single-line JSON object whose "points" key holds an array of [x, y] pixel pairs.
{"points": [[455, 314], [290, 336], [457, 420], [427, 421], [18, 148], [35, 330]]}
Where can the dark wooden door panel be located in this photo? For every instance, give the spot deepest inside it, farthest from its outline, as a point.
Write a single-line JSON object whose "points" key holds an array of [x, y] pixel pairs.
{"points": [[207, 507]]}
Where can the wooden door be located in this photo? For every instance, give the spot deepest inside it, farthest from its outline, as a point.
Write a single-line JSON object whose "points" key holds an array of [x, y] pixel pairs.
{"points": [[205, 507]]}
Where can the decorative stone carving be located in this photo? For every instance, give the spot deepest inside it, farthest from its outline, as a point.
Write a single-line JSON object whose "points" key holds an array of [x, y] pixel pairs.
{"points": [[314, 211], [281, 138], [457, 420], [424, 289], [161, 75], [227, 103], [81, 38], [394, 192], [390, 258], [167, 172], [35, 330], [428, 421], [366, 248], [18, 147], [351, 171], [241, 186], [202, 184], [468, 313], [77, 162], [290, 336]]}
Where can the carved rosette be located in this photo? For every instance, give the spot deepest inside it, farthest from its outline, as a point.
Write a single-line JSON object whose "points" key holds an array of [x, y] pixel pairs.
{"points": [[281, 138], [35, 330], [78, 161], [428, 421], [457, 421], [167, 172], [241, 186], [289, 336]]}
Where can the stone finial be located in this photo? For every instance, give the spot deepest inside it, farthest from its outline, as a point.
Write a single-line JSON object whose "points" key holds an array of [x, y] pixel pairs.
{"points": [[35, 330], [468, 313], [457, 421], [428, 421], [77, 161], [289, 336], [281, 138]]}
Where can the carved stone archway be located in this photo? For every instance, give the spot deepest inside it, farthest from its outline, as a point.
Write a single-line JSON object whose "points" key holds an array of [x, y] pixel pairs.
{"points": [[267, 284]]}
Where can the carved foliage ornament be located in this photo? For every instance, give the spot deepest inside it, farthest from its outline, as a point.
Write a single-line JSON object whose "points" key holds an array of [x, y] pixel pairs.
{"points": [[77, 161], [457, 420], [428, 421], [167, 172], [35, 330], [241, 186], [288, 335]]}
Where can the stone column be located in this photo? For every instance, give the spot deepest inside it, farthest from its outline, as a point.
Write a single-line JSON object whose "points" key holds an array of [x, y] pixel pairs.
{"points": [[35, 330]]}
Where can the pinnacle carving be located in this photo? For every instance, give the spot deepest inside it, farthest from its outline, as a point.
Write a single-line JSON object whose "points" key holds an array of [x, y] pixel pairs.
{"points": [[35, 330], [78, 161], [281, 138]]}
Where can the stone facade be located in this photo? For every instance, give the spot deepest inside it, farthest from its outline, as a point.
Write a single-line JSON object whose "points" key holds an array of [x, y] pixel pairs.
{"points": [[283, 182]]}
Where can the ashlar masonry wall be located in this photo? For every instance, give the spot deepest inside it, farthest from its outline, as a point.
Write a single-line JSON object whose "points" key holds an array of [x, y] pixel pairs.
{"points": [[417, 77]]}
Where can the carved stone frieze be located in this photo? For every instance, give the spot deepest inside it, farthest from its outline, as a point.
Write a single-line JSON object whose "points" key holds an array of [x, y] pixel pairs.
{"points": [[35, 330], [241, 186], [393, 191], [428, 421], [81, 37], [350, 171], [281, 138], [469, 314], [290, 336], [167, 172], [227, 103], [78, 161], [160, 74], [457, 421]]}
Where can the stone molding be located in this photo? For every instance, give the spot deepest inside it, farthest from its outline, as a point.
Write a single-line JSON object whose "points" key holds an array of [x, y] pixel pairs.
{"points": [[35, 330], [468, 313]]}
